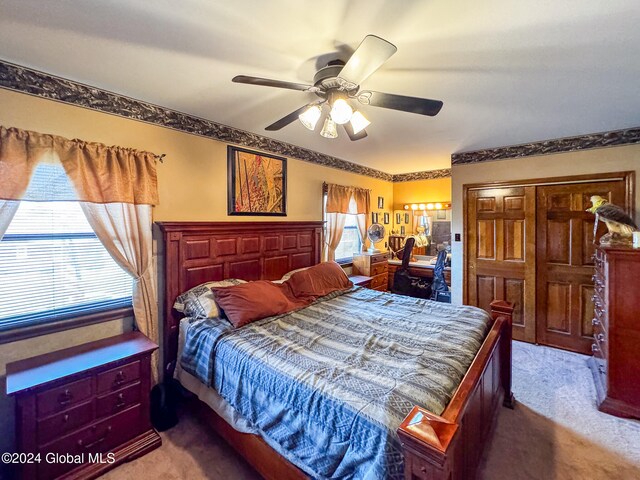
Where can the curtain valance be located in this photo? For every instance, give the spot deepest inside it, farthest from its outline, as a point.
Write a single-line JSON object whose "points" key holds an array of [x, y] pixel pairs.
{"points": [[339, 199], [99, 173]]}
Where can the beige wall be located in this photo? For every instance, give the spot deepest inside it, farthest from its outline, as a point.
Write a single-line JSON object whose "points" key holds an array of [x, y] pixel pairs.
{"points": [[192, 185], [421, 191], [611, 159]]}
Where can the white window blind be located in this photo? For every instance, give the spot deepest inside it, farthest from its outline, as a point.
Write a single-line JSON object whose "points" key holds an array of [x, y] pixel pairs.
{"points": [[350, 242], [52, 266]]}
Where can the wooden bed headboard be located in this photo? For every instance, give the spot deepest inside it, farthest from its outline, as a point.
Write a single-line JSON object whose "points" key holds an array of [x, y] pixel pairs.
{"points": [[198, 252]]}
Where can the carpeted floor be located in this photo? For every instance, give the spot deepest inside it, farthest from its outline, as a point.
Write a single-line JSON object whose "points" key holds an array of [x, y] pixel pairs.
{"points": [[554, 433]]}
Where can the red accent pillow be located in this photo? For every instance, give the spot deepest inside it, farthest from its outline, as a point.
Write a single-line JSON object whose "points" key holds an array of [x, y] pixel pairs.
{"points": [[248, 302], [319, 280]]}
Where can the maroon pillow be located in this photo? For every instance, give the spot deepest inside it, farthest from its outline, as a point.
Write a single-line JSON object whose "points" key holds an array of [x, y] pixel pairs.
{"points": [[319, 280], [248, 302]]}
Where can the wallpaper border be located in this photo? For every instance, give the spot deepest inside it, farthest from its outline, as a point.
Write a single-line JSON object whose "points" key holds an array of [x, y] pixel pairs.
{"points": [[41, 84], [613, 138], [425, 175]]}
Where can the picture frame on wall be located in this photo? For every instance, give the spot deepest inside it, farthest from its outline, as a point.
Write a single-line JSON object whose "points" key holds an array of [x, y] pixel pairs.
{"points": [[441, 215], [402, 230], [406, 218], [380, 203], [386, 218], [374, 217], [398, 218], [256, 183]]}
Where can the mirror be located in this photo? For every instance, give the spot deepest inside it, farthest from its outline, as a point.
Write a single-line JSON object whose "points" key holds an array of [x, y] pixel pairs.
{"points": [[436, 225]]}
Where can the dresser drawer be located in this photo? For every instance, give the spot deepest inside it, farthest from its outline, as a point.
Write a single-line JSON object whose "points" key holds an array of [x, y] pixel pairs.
{"points": [[99, 437], [378, 268], [117, 401], [379, 281], [63, 397], [60, 424], [379, 258], [117, 377]]}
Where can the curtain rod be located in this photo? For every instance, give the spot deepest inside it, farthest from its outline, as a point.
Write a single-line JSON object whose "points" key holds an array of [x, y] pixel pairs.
{"points": [[325, 185]]}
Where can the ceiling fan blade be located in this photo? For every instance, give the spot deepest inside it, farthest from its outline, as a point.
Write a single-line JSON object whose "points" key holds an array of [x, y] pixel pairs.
{"points": [[368, 57], [287, 119], [354, 136], [421, 106], [266, 82]]}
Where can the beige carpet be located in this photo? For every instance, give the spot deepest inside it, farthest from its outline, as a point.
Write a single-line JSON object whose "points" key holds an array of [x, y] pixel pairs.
{"points": [[554, 433]]}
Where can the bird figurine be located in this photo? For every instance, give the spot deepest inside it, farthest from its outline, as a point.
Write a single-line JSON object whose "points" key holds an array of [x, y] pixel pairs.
{"points": [[620, 225]]}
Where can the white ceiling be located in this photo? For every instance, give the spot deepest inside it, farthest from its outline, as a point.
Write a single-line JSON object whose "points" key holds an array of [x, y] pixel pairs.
{"points": [[508, 71]]}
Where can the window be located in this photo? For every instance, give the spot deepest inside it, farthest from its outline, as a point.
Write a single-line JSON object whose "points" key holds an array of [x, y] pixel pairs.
{"points": [[350, 242], [54, 267]]}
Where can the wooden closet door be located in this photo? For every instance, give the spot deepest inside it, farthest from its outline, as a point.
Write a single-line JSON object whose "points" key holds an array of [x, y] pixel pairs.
{"points": [[501, 253], [565, 264]]}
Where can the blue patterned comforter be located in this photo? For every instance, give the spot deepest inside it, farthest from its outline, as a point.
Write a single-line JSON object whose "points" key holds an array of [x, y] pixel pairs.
{"points": [[327, 386]]}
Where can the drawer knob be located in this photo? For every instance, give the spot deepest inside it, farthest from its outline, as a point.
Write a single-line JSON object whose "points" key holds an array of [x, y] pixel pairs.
{"points": [[65, 419], [121, 401], [423, 469], [96, 442], [65, 398], [120, 378]]}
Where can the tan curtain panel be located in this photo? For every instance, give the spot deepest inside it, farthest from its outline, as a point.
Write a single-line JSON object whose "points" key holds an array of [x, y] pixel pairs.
{"points": [[99, 173], [339, 199]]}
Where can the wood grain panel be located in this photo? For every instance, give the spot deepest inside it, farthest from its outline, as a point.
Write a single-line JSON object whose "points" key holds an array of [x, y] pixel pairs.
{"points": [[208, 273], [558, 202], [247, 270], [514, 288], [586, 310], [304, 240], [195, 249], [289, 242], [271, 243], [486, 239], [301, 260], [486, 291], [514, 239], [225, 246], [486, 204], [514, 203], [558, 241], [558, 295], [249, 244], [276, 267]]}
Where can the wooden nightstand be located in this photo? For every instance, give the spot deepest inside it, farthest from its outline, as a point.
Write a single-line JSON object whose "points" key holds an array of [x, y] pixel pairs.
{"points": [[84, 401], [372, 265], [361, 280]]}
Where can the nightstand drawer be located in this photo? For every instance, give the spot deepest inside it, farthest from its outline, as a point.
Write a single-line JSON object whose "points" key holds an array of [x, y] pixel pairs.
{"points": [[117, 401], [117, 377], [62, 423], [379, 258], [378, 268], [63, 397], [379, 281]]}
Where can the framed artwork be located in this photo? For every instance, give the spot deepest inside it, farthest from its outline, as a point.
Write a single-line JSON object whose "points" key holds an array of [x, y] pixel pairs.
{"points": [[402, 230], [398, 218], [406, 218], [374, 217], [380, 203], [256, 183], [386, 218], [441, 215]]}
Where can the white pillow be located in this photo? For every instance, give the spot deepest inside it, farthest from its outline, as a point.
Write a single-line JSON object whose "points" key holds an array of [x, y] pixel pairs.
{"points": [[199, 302], [287, 275]]}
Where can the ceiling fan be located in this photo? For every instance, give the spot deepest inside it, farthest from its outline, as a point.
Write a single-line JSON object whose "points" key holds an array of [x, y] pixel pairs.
{"points": [[338, 86]]}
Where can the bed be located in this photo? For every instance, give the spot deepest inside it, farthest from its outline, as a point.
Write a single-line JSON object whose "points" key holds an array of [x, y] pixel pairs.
{"points": [[427, 406]]}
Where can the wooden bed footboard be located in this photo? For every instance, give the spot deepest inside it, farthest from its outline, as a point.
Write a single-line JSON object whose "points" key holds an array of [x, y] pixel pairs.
{"points": [[451, 446]]}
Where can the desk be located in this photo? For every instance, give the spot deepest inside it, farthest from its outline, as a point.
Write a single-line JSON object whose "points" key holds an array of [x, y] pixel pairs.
{"points": [[417, 269]]}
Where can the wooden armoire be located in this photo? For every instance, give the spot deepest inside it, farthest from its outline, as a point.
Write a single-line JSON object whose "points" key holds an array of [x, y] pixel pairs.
{"points": [[531, 242]]}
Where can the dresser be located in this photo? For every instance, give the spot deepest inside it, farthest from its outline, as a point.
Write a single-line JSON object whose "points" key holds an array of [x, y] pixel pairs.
{"points": [[372, 265], [616, 324], [84, 409]]}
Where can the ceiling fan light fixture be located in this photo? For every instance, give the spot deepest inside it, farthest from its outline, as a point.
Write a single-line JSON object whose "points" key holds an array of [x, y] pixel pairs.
{"points": [[309, 118], [359, 122], [341, 111], [329, 129]]}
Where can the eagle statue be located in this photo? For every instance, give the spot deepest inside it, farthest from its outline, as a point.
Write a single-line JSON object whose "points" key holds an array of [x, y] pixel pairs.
{"points": [[619, 224]]}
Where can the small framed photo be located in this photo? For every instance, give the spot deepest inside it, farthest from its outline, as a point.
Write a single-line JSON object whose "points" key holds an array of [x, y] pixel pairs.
{"points": [[256, 183], [398, 218], [441, 215], [374, 217], [386, 218], [380, 203], [402, 231], [406, 218]]}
